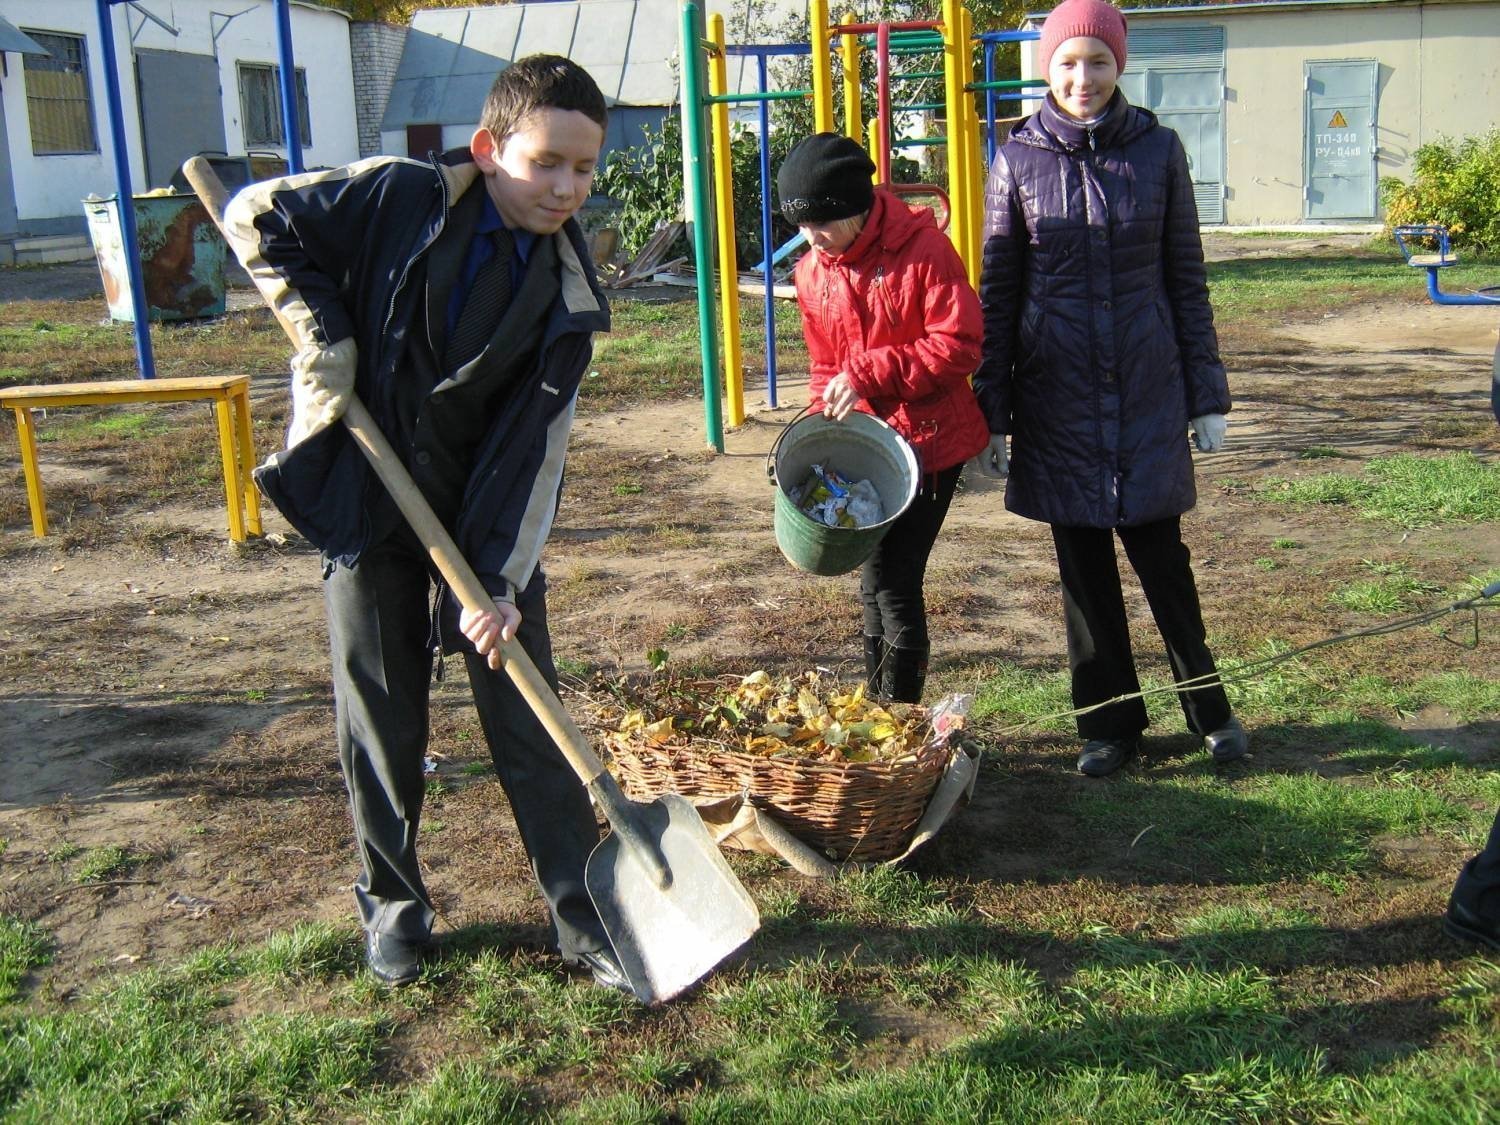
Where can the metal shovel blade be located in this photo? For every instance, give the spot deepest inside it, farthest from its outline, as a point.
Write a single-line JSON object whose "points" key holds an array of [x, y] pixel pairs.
{"points": [[667, 938]]}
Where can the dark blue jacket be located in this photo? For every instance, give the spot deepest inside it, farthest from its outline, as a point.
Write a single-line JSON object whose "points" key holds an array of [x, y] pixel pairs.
{"points": [[1099, 341], [341, 253]]}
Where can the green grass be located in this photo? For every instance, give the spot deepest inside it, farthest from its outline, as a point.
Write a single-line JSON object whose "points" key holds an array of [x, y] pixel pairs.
{"points": [[1406, 489], [23, 947], [1247, 290], [1392, 590], [104, 863]]}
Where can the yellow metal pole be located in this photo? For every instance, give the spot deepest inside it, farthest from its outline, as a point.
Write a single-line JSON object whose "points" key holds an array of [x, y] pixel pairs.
{"points": [[240, 396], [729, 270], [854, 124], [34, 495], [952, 99], [234, 494], [973, 162], [822, 65]]}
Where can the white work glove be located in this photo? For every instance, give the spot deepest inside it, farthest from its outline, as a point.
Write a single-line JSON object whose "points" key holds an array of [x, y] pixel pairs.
{"points": [[1208, 432], [488, 630], [992, 461], [322, 383]]}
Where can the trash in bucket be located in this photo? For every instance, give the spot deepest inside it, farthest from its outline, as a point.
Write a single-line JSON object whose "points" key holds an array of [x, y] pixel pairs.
{"points": [[861, 447], [182, 256]]}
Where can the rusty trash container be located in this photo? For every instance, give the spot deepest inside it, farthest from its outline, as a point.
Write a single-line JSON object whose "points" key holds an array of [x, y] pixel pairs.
{"points": [[182, 256]]}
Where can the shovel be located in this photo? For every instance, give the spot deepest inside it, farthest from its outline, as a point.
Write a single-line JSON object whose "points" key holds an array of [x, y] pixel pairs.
{"points": [[670, 905]]}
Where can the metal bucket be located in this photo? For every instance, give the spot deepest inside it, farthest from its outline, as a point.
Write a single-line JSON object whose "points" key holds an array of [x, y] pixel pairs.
{"points": [[861, 447]]}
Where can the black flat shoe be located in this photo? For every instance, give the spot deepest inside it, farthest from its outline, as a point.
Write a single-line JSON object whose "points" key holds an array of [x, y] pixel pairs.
{"points": [[605, 968], [1462, 923], [393, 960], [1102, 756], [1229, 743]]}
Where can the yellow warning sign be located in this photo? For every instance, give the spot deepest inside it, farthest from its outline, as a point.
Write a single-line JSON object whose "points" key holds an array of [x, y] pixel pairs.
{"points": [[1338, 121]]}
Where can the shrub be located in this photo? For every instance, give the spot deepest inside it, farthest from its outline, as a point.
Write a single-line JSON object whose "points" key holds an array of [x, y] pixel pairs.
{"points": [[1456, 184]]}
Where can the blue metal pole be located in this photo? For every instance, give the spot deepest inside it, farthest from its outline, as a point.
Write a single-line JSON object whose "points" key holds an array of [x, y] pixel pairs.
{"points": [[143, 358], [289, 114], [989, 100], [765, 231]]}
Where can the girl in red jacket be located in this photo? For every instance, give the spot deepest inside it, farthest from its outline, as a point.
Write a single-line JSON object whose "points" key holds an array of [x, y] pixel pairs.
{"points": [[892, 328]]}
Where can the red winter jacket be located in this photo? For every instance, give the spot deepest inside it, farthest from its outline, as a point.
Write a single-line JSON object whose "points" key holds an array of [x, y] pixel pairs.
{"points": [[896, 312]]}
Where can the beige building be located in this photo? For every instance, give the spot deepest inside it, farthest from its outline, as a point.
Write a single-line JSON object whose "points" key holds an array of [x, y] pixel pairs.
{"points": [[1292, 111]]}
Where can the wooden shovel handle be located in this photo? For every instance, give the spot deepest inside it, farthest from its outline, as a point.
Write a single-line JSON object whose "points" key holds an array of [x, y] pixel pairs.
{"points": [[433, 535]]}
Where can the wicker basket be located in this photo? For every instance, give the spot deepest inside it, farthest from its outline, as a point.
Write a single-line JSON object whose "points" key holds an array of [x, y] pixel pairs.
{"points": [[864, 811]]}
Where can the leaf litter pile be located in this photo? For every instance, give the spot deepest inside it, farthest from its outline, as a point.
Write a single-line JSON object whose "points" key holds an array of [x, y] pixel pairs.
{"points": [[802, 716]]}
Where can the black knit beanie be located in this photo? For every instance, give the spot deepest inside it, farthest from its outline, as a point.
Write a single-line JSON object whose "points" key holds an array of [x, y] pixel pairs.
{"points": [[825, 177]]}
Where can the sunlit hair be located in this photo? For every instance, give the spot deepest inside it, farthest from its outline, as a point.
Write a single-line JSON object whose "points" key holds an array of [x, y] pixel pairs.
{"points": [[844, 228], [540, 82]]}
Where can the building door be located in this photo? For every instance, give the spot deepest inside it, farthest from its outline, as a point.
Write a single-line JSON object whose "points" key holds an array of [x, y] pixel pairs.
{"points": [[182, 112], [1339, 133], [1178, 74]]}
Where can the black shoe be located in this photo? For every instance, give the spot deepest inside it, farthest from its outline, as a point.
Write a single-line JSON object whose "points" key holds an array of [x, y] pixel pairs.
{"points": [[874, 664], [606, 969], [1462, 923], [392, 959], [1229, 743], [1102, 756], [905, 673]]}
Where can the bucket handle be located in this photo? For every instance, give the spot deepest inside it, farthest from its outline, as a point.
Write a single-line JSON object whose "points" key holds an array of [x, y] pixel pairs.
{"points": [[775, 445]]}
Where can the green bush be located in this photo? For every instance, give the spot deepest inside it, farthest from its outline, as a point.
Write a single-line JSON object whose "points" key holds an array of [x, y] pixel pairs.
{"points": [[1455, 184]]}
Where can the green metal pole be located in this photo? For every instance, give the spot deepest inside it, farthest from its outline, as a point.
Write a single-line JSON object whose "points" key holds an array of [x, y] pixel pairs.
{"points": [[700, 213]]}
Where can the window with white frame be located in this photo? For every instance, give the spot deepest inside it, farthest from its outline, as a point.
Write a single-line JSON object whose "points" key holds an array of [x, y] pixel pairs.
{"points": [[57, 96], [260, 105]]}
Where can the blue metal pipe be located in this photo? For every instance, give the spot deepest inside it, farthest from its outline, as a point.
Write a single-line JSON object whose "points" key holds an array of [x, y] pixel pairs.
{"points": [[289, 115], [762, 74], [144, 360]]}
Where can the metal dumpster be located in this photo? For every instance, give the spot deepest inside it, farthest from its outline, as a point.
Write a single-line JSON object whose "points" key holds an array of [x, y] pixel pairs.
{"points": [[182, 256]]}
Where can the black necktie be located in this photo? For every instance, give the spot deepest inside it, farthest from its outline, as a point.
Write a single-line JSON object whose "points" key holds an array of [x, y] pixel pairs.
{"points": [[489, 295]]}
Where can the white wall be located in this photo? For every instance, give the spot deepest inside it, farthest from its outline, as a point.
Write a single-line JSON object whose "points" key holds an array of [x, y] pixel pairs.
{"points": [[51, 187]]}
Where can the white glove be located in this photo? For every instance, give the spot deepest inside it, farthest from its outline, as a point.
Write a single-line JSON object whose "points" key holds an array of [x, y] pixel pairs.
{"points": [[993, 461], [1208, 432], [322, 383]]}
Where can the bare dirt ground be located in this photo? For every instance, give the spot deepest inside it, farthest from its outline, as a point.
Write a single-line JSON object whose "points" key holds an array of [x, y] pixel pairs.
{"points": [[164, 692]]}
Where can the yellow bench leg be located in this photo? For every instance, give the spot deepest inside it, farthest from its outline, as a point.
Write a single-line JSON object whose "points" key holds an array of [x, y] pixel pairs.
{"points": [[246, 446], [234, 492], [34, 496]]}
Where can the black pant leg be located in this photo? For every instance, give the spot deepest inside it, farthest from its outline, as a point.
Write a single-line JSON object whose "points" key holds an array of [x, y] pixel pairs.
{"points": [[1099, 656], [550, 803], [890, 585], [378, 625], [1478, 885], [1163, 564]]}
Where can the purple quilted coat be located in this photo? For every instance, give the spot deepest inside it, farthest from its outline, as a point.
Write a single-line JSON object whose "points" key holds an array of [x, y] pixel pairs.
{"points": [[1099, 341]]}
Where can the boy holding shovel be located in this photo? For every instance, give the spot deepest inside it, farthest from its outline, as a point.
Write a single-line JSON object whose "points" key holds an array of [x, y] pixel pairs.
{"points": [[457, 299]]}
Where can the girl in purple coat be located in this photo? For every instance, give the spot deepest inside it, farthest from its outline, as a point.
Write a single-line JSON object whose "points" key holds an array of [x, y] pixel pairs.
{"points": [[1099, 356]]}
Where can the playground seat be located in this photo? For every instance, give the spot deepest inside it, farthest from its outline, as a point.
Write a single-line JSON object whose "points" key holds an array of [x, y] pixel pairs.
{"points": [[1407, 238]]}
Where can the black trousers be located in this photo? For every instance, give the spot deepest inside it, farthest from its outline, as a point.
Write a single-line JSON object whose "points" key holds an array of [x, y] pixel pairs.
{"points": [[1099, 654], [1478, 885], [890, 585], [380, 629]]}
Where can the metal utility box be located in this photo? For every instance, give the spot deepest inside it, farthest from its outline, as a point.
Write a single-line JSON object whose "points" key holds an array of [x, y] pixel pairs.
{"points": [[182, 256]]}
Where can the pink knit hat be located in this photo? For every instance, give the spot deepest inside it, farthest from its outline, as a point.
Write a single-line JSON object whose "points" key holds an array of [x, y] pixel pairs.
{"points": [[1096, 19]]}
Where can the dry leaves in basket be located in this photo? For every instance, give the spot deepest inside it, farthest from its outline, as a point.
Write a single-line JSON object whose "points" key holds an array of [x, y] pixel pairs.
{"points": [[800, 716]]}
